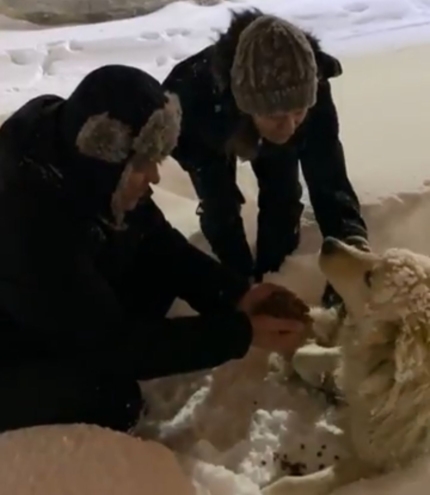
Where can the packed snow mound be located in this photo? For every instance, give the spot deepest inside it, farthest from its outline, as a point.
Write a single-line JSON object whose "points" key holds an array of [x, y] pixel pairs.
{"points": [[244, 418], [87, 460]]}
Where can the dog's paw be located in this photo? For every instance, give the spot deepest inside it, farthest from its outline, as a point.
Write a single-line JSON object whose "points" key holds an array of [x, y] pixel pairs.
{"points": [[325, 326], [313, 363]]}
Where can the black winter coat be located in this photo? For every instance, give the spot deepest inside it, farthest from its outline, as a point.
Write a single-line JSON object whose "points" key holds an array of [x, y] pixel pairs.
{"points": [[72, 286], [214, 132]]}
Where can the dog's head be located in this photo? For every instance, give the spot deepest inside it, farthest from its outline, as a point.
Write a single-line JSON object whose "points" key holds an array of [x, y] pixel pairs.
{"points": [[391, 289]]}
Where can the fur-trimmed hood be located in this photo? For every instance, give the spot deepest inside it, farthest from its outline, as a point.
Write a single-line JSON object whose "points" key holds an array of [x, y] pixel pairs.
{"points": [[118, 119], [225, 49]]}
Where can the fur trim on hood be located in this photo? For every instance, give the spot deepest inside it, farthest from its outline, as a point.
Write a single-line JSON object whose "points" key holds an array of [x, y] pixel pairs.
{"points": [[108, 139], [118, 118]]}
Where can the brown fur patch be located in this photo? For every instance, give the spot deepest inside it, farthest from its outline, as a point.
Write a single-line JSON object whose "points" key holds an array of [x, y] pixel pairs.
{"points": [[104, 138], [110, 140], [158, 137]]}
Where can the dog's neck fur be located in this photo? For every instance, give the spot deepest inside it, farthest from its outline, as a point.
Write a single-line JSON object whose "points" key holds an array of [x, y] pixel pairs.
{"points": [[389, 423]]}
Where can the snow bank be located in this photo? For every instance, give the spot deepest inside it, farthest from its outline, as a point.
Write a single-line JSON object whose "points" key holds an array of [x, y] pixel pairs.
{"points": [[243, 419], [57, 12], [39, 60], [84, 460]]}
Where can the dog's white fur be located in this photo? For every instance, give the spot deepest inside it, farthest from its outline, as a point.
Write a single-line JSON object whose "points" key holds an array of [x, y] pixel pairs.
{"points": [[381, 363]]}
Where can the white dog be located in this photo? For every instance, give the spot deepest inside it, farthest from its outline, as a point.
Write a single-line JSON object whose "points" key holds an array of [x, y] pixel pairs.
{"points": [[382, 363]]}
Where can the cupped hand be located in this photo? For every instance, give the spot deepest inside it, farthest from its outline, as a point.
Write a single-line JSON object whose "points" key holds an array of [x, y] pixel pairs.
{"points": [[256, 295], [277, 335], [274, 300]]}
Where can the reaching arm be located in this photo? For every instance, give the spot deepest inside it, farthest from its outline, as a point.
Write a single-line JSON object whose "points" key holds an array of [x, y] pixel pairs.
{"points": [[279, 205], [333, 198], [63, 306], [207, 285]]}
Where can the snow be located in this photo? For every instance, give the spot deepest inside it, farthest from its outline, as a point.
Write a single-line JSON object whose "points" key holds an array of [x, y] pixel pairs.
{"points": [[235, 428], [55, 59], [54, 460]]}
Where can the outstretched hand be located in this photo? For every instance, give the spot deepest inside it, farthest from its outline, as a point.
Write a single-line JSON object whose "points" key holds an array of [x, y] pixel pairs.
{"points": [[277, 335], [280, 320], [274, 300]]}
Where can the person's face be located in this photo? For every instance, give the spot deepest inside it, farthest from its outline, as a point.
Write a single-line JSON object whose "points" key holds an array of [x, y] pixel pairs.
{"points": [[136, 184], [279, 127]]}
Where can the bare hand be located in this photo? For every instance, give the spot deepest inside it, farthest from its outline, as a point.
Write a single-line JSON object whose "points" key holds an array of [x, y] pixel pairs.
{"points": [[278, 335], [256, 295], [274, 300]]}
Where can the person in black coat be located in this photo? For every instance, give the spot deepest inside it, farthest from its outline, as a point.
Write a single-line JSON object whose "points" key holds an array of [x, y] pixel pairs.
{"points": [[262, 93], [89, 266]]}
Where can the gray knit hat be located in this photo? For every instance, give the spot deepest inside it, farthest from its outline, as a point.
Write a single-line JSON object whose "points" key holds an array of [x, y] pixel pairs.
{"points": [[274, 68]]}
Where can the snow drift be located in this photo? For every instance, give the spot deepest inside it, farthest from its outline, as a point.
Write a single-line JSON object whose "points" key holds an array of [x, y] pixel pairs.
{"points": [[58, 12]]}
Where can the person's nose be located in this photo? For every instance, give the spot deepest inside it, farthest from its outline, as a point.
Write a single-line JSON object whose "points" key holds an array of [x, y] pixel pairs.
{"points": [[287, 126], [290, 124], [153, 174]]}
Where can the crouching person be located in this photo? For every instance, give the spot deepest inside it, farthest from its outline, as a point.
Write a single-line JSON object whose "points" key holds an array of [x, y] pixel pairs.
{"points": [[90, 266], [262, 93]]}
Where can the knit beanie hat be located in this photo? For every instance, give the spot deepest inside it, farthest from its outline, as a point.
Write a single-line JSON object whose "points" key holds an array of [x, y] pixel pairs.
{"points": [[274, 68]]}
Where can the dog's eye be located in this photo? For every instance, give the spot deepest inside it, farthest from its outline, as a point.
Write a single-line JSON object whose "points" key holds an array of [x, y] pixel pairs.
{"points": [[368, 278]]}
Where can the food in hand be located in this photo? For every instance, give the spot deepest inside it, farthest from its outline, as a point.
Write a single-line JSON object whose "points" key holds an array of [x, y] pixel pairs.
{"points": [[284, 304]]}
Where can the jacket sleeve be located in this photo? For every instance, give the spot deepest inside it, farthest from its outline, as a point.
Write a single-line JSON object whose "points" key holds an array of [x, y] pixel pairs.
{"points": [[204, 283], [279, 206], [63, 306], [333, 198], [201, 152]]}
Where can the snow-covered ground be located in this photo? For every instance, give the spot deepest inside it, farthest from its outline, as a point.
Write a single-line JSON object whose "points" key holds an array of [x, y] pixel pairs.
{"points": [[55, 59], [240, 416]]}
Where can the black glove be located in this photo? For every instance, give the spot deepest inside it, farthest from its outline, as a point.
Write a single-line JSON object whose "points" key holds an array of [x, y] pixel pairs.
{"points": [[271, 256]]}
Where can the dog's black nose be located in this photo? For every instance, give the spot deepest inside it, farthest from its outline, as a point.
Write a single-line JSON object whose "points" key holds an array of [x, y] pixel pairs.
{"points": [[329, 245]]}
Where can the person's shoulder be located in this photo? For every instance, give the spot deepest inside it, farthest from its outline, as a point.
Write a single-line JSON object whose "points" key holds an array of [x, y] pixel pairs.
{"points": [[33, 106], [192, 81], [328, 65], [19, 132], [190, 74], [23, 120]]}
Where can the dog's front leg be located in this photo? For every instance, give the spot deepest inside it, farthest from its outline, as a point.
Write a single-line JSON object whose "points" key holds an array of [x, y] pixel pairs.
{"points": [[312, 362], [325, 325], [322, 482]]}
